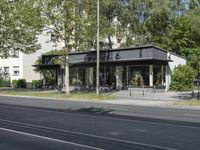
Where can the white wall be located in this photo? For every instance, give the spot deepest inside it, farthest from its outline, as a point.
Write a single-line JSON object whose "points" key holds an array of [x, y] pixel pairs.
{"points": [[176, 60], [28, 60], [11, 62], [25, 62]]}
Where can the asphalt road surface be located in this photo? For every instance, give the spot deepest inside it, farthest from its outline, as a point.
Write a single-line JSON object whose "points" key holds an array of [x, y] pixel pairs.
{"points": [[30, 128]]}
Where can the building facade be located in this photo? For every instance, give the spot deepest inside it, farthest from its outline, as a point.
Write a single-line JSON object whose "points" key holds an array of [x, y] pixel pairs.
{"points": [[147, 66], [21, 65]]}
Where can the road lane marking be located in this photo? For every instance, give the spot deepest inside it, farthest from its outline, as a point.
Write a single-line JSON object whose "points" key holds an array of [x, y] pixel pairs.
{"points": [[193, 115], [89, 135], [108, 118], [50, 139]]}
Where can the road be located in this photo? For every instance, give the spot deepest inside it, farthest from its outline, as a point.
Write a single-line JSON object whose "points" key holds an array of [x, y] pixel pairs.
{"points": [[35, 128]]}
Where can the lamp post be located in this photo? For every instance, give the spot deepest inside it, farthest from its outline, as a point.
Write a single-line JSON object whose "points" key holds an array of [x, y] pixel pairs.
{"points": [[97, 67]]}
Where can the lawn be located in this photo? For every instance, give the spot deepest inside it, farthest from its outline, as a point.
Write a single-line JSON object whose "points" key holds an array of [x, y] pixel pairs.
{"points": [[54, 95], [188, 103]]}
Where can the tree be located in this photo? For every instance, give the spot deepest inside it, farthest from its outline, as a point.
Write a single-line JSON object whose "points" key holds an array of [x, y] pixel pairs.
{"points": [[20, 24], [61, 20], [182, 78]]}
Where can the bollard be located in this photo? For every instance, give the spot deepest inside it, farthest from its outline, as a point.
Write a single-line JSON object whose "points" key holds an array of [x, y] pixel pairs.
{"points": [[130, 92], [154, 89]]}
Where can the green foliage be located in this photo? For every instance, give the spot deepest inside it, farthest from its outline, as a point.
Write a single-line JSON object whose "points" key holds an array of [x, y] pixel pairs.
{"points": [[20, 83], [37, 84], [59, 60], [4, 83], [20, 25], [182, 78], [14, 83]]}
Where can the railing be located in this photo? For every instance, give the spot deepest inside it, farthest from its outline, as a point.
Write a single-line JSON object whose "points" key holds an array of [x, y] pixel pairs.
{"points": [[145, 89]]}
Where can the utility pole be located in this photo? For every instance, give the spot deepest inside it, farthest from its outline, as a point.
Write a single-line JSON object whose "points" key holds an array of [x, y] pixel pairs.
{"points": [[97, 68]]}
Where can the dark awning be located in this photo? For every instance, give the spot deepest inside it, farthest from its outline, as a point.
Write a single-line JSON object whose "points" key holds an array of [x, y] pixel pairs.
{"points": [[48, 66]]}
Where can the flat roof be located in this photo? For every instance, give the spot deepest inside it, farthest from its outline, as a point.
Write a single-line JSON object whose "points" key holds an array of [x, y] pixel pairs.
{"points": [[120, 49]]}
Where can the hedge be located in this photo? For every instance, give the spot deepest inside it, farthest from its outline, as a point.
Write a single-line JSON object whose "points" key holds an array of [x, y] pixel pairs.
{"points": [[182, 78], [4, 83], [37, 84], [20, 83]]}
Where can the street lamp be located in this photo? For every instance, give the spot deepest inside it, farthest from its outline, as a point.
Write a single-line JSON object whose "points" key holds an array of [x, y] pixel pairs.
{"points": [[97, 67]]}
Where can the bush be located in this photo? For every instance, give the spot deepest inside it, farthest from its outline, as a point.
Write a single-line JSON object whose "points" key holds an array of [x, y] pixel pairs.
{"points": [[182, 78], [21, 83], [4, 83], [14, 83], [37, 84]]}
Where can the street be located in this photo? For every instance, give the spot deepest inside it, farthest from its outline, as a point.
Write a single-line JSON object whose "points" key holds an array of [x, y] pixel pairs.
{"points": [[33, 128]]}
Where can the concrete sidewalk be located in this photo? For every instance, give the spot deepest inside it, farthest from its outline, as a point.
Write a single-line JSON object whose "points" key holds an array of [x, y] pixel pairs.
{"points": [[165, 96], [158, 102], [162, 100]]}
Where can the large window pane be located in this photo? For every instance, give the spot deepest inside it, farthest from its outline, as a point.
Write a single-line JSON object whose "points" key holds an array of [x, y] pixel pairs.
{"points": [[138, 75]]}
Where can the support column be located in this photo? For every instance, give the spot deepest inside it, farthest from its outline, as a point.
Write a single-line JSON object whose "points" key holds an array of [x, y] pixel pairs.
{"points": [[167, 78], [150, 75], [127, 76], [118, 77], [89, 76], [162, 75]]}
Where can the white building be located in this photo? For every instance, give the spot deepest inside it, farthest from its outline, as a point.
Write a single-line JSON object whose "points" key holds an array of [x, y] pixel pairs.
{"points": [[20, 67]]}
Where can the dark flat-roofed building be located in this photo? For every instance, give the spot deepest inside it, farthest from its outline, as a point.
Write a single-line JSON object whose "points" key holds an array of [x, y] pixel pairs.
{"points": [[121, 68]]}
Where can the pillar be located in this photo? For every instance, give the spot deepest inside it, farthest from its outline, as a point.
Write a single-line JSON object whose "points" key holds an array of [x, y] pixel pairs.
{"points": [[119, 77], [167, 78], [89, 76], [127, 76], [150, 75], [162, 75]]}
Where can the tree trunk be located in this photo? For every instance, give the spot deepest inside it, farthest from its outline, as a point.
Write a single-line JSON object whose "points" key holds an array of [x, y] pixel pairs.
{"points": [[110, 42], [67, 89]]}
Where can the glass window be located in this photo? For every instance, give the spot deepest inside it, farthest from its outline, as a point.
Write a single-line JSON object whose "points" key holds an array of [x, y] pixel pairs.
{"points": [[16, 70], [6, 70], [139, 75], [159, 75]]}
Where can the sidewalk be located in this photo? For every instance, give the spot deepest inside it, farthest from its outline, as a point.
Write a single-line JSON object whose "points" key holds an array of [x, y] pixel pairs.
{"points": [[163, 100], [165, 96]]}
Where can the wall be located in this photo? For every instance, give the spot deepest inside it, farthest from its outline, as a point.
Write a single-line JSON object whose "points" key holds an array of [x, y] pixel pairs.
{"points": [[28, 60], [176, 60], [25, 62], [11, 62]]}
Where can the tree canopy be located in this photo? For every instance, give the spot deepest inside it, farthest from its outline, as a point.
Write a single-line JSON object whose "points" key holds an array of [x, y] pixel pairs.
{"points": [[20, 24], [170, 24]]}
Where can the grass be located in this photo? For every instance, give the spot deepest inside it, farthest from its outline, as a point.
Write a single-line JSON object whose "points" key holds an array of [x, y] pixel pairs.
{"points": [[188, 103], [75, 95]]}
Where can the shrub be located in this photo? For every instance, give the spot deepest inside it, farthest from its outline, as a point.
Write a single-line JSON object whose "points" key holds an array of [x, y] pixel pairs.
{"points": [[21, 83], [182, 78], [36, 84], [4, 83], [14, 83]]}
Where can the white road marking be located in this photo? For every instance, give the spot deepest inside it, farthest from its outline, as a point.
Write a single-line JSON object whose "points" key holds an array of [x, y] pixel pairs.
{"points": [[108, 118], [193, 115], [90, 135], [50, 139]]}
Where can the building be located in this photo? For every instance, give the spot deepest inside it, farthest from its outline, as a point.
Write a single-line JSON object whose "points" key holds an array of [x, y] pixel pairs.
{"points": [[147, 66], [21, 65]]}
